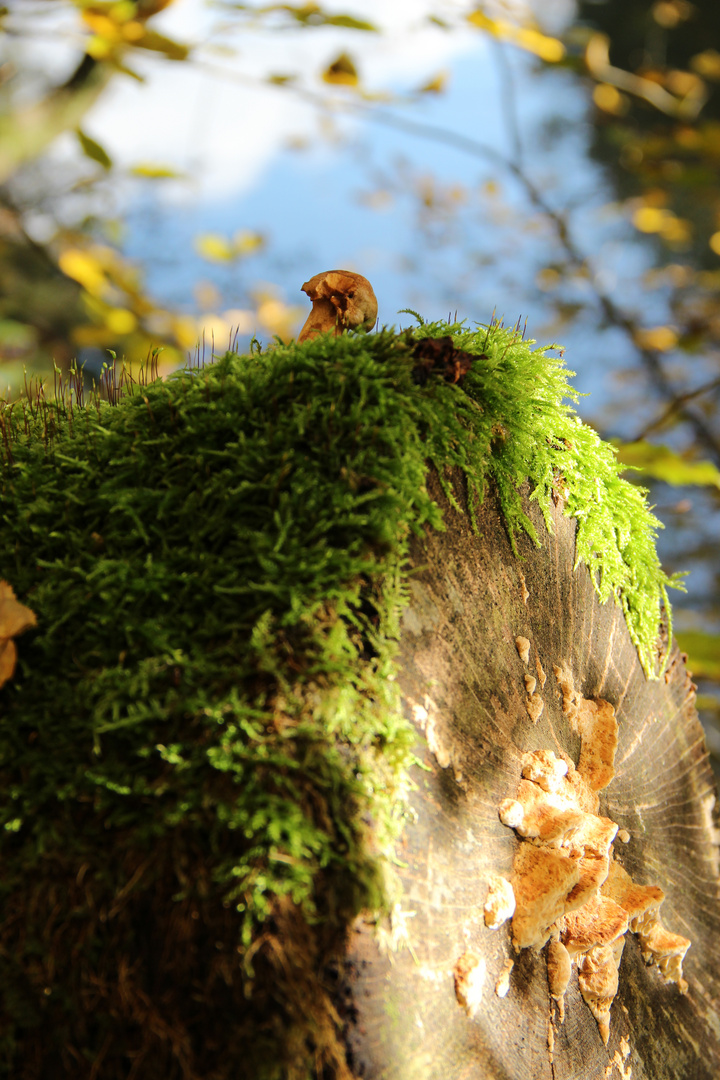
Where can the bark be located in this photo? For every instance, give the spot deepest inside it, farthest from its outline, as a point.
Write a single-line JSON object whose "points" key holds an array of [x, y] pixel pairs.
{"points": [[463, 682]]}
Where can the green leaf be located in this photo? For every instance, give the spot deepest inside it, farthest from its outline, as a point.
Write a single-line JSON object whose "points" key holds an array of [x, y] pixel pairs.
{"points": [[409, 311], [703, 652], [93, 150], [213, 247], [662, 463]]}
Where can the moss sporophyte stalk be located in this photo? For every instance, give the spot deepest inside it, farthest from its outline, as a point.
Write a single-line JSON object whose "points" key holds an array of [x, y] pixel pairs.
{"points": [[206, 713]]}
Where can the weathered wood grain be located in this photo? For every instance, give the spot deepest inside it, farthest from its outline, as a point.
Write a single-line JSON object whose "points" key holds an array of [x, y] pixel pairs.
{"points": [[462, 681]]}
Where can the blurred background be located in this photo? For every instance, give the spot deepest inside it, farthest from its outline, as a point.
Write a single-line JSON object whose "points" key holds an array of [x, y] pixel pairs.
{"points": [[172, 172]]}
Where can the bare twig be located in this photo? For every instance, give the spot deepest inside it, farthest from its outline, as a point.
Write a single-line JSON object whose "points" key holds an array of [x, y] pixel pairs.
{"points": [[674, 406]]}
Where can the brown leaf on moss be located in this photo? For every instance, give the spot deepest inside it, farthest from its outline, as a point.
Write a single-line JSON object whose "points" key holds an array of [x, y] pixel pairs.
{"points": [[341, 299], [439, 355], [14, 619]]}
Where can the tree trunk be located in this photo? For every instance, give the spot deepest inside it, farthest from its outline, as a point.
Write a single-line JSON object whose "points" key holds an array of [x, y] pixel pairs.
{"points": [[463, 681]]}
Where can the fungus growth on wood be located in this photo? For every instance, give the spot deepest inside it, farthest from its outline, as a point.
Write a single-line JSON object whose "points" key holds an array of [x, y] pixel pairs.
{"points": [[568, 890]]}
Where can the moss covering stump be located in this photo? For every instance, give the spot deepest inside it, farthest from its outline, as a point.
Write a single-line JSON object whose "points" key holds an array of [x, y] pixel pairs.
{"points": [[205, 760]]}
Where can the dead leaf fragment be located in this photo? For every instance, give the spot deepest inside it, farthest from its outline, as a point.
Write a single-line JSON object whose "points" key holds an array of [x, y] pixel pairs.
{"points": [[14, 619], [440, 357], [8, 659], [341, 300]]}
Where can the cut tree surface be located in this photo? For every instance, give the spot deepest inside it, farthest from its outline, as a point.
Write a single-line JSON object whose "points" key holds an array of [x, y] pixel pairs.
{"points": [[480, 640]]}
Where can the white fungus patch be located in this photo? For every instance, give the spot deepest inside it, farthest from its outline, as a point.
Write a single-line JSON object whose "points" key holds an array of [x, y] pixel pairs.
{"points": [[500, 902], [503, 980], [523, 647], [469, 973], [535, 706]]}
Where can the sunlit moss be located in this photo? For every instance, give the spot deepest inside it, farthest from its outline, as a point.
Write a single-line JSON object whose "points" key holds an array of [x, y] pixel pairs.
{"points": [[523, 394]]}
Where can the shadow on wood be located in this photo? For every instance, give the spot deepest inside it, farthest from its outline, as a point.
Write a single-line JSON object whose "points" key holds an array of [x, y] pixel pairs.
{"points": [[463, 683]]}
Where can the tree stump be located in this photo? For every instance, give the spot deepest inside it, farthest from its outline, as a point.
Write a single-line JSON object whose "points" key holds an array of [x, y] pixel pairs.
{"points": [[204, 755], [463, 682]]}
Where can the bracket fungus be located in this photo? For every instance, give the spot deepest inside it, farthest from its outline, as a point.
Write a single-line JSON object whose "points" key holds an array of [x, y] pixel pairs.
{"points": [[341, 300], [569, 891]]}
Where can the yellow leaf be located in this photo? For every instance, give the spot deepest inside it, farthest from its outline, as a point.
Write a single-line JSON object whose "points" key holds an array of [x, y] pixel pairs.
{"points": [[683, 83], [546, 48], [156, 172], [99, 48], [659, 338], [650, 219], [102, 25], [245, 242], [669, 13], [84, 268], [610, 100], [124, 11], [677, 231], [133, 31], [435, 85], [342, 71], [665, 464], [214, 248], [714, 242], [707, 64], [120, 321]]}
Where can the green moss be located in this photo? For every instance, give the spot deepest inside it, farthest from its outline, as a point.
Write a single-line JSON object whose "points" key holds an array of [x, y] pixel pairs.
{"points": [[206, 715]]}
